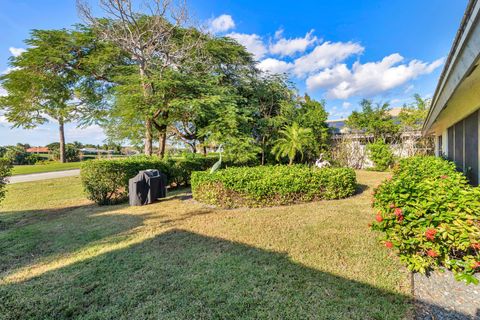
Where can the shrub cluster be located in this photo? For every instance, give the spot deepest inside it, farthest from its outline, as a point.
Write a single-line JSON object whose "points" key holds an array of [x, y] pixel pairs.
{"points": [[380, 154], [272, 185], [106, 181], [431, 215], [5, 170]]}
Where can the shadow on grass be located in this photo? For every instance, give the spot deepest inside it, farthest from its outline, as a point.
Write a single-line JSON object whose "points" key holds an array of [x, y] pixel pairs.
{"points": [[31, 235], [361, 188], [21, 218], [183, 275]]}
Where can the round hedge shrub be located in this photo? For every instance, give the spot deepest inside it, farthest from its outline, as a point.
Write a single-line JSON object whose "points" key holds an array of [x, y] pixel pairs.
{"points": [[106, 181], [430, 215], [272, 185]]}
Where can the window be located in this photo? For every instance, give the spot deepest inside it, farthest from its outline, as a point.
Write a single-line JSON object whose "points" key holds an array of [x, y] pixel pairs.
{"points": [[451, 135], [471, 148], [463, 146], [440, 145]]}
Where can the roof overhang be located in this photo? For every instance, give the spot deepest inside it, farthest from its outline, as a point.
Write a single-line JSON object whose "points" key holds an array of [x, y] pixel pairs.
{"points": [[461, 61]]}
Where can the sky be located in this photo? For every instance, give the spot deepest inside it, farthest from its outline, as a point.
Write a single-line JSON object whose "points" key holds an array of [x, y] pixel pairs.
{"points": [[340, 51]]}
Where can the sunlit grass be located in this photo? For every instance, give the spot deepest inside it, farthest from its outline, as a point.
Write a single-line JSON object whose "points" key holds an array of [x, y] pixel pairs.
{"points": [[48, 167], [64, 257]]}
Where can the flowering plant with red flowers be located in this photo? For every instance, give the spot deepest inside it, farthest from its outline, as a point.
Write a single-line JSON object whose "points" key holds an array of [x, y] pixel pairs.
{"points": [[430, 215]]}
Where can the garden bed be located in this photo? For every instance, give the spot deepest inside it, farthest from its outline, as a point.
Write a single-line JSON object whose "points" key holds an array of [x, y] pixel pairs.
{"points": [[272, 185]]}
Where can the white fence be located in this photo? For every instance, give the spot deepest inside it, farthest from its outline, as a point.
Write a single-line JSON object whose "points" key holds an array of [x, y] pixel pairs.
{"points": [[351, 149]]}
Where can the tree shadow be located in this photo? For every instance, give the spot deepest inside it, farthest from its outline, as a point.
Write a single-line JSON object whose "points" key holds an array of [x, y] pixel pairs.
{"points": [[183, 275], [30, 236], [21, 218]]}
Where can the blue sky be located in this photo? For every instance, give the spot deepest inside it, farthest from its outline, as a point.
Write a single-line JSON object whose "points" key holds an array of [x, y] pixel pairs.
{"points": [[340, 51]]}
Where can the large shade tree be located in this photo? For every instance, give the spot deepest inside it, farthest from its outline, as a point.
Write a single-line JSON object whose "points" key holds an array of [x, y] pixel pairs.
{"points": [[53, 80], [155, 40]]}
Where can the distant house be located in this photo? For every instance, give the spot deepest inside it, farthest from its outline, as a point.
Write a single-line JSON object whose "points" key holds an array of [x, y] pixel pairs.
{"points": [[339, 126], [454, 117], [38, 150], [95, 151]]}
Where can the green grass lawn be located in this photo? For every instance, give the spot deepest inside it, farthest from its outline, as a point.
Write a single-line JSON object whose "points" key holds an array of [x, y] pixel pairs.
{"points": [[49, 167], [63, 257]]}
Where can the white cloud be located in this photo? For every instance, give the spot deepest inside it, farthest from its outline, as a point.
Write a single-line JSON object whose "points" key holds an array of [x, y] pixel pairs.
{"points": [[278, 33], [9, 69], [16, 51], [346, 105], [274, 66], [3, 119], [409, 88], [288, 47], [252, 42], [3, 92], [370, 78], [326, 55], [221, 23]]}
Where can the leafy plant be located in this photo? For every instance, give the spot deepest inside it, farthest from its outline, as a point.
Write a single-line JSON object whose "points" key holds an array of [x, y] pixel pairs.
{"points": [[374, 119], [431, 215], [5, 170], [72, 154], [106, 181], [380, 154], [272, 185], [295, 139], [413, 115]]}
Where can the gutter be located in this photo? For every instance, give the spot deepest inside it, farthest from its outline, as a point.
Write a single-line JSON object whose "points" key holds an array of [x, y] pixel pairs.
{"points": [[449, 62]]}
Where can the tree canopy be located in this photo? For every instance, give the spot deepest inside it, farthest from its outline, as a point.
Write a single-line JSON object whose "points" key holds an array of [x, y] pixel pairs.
{"points": [[54, 79], [374, 119]]}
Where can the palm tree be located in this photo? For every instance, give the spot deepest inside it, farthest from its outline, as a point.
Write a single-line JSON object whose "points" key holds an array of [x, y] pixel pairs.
{"points": [[295, 139]]}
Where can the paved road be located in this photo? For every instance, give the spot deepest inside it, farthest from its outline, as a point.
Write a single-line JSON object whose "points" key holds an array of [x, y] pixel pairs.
{"points": [[43, 176]]}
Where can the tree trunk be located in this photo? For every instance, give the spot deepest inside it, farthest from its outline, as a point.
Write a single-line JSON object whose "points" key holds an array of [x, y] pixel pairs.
{"points": [[205, 150], [62, 140], [263, 150], [147, 92], [162, 141], [148, 136]]}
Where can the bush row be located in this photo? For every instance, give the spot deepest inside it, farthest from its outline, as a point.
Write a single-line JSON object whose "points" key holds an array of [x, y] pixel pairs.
{"points": [[5, 171], [272, 185], [431, 215], [106, 181]]}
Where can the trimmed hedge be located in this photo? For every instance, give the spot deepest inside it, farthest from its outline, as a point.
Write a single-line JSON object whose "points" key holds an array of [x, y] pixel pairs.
{"points": [[106, 181], [272, 185], [431, 216]]}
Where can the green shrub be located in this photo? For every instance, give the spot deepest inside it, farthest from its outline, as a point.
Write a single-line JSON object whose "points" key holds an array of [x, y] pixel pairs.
{"points": [[106, 181], [18, 156], [380, 154], [72, 154], [5, 170], [431, 215], [272, 185]]}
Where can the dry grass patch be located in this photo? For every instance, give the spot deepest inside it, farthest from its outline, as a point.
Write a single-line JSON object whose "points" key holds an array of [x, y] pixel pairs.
{"points": [[181, 259]]}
